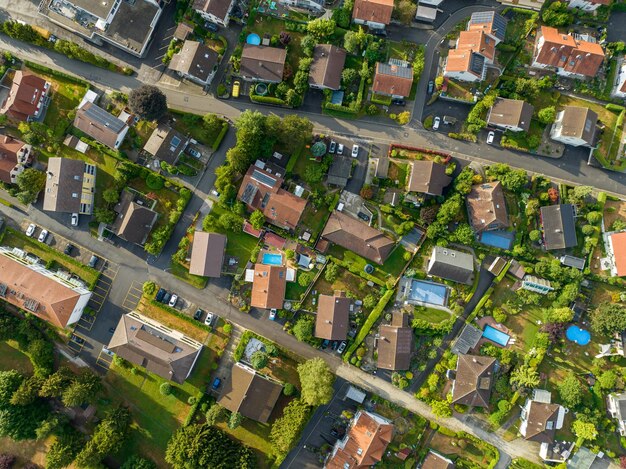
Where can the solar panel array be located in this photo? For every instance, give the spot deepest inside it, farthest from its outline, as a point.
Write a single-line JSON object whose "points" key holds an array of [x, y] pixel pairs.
{"points": [[263, 178], [98, 114]]}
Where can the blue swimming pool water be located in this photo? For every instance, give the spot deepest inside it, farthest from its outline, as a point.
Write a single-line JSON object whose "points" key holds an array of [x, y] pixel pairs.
{"points": [[428, 292], [496, 336], [578, 335], [272, 259], [253, 39], [498, 239]]}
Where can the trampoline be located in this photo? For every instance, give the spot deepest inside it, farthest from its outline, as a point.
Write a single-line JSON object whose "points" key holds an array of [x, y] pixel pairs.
{"points": [[253, 39]]}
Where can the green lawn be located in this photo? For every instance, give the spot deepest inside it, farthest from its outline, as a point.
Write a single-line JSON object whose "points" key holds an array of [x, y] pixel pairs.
{"points": [[49, 255], [398, 172], [193, 125], [256, 436], [346, 281], [313, 219], [519, 25], [360, 262], [432, 315], [182, 273], [66, 96], [395, 262], [240, 244], [14, 359], [295, 290]]}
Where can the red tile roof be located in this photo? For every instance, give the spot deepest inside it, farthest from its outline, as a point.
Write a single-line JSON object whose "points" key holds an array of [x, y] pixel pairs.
{"points": [[268, 286], [477, 41], [618, 241], [388, 80], [24, 96], [375, 11], [9, 148]]}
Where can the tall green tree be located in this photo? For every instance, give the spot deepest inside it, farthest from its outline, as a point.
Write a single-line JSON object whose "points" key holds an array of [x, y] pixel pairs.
{"points": [[303, 328], [608, 318], [64, 450], [85, 388], [570, 390], [30, 182], [321, 28], [286, 429], [317, 382], [584, 430], [148, 102], [108, 438], [525, 376]]}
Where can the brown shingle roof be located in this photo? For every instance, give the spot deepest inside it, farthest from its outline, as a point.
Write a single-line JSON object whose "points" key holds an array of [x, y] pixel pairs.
{"points": [[99, 124], [182, 31], [327, 65], [249, 393], [486, 207], [395, 344], [392, 79], [375, 11], [428, 177], [578, 122], [436, 461], [262, 63], [207, 254], [24, 96], [165, 144], [157, 348], [194, 59], [217, 8], [358, 237], [9, 148], [134, 222], [365, 443], [474, 379], [512, 113], [332, 316], [541, 416], [65, 179], [268, 286]]}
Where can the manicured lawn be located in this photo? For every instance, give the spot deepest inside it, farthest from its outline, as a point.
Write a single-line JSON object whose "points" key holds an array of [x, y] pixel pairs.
{"points": [[14, 359], [239, 244], [518, 26], [456, 90], [256, 436], [47, 254], [398, 172], [182, 273], [432, 315], [395, 262], [295, 290], [346, 281], [193, 125], [449, 446], [349, 256], [163, 316], [314, 219]]}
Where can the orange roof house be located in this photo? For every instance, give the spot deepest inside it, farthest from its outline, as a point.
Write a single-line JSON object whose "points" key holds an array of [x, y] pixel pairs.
{"points": [[365, 442], [268, 286], [393, 79], [372, 13], [617, 250], [28, 97], [578, 56], [14, 155]]}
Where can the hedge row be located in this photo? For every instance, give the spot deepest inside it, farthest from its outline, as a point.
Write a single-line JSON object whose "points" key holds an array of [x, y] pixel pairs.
{"points": [[255, 98], [194, 409], [479, 306], [340, 108], [369, 323], [56, 73], [220, 136], [180, 315]]}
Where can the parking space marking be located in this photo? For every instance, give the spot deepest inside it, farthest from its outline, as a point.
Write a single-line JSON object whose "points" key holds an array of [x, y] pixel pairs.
{"points": [[132, 298], [86, 322], [104, 360]]}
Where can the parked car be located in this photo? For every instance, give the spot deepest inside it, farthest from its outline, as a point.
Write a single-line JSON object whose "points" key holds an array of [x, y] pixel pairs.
{"points": [[74, 219], [173, 300], [160, 294], [31, 229], [490, 136], [198, 314], [68, 249], [355, 151], [93, 261], [335, 344], [340, 149], [363, 216], [166, 297], [379, 32], [43, 236], [325, 344], [436, 123], [272, 315], [209, 319], [342, 347], [431, 87], [236, 87], [211, 26], [398, 102], [193, 152], [216, 383], [333, 147]]}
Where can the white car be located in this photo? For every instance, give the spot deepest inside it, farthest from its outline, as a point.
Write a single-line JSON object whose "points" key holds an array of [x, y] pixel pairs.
{"points": [[209, 319], [272, 316], [31, 229], [173, 300], [74, 219], [355, 151], [340, 149], [43, 236], [490, 136], [436, 123]]}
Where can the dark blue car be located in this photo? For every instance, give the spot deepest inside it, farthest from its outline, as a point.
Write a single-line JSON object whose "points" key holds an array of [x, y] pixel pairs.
{"points": [[216, 383], [160, 294]]}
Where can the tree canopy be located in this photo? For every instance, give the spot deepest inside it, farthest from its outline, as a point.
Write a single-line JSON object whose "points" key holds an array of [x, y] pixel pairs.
{"points": [[148, 102], [317, 382], [608, 318], [570, 390]]}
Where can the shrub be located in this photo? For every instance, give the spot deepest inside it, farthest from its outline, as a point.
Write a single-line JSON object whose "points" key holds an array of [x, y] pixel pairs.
{"points": [[289, 389], [165, 389], [192, 400], [149, 288], [228, 327], [155, 182]]}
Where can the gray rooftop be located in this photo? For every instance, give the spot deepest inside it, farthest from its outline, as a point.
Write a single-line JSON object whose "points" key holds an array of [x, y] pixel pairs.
{"points": [[97, 114], [559, 226], [99, 8], [467, 340], [452, 265]]}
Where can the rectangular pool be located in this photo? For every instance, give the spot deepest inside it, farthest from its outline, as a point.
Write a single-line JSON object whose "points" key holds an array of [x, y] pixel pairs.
{"points": [[428, 292], [272, 259], [496, 336], [498, 239]]}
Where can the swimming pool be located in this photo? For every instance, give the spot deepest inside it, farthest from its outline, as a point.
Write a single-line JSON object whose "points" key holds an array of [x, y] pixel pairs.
{"points": [[272, 259], [428, 292], [253, 39], [578, 335], [496, 336], [498, 239]]}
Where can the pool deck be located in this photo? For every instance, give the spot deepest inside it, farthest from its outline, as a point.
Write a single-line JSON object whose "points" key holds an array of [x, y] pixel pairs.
{"points": [[490, 321]]}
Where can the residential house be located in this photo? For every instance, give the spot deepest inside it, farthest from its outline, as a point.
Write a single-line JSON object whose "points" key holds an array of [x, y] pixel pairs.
{"points": [[540, 419], [250, 393], [473, 380], [14, 156], [536, 284], [51, 296], [261, 190], [134, 221], [467, 340], [576, 56], [395, 343], [584, 458], [559, 226], [587, 5], [216, 11], [619, 89], [207, 254], [196, 62], [149, 344], [527, 4], [376, 14], [572, 261], [166, 144], [451, 264], [428, 177], [340, 171], [364, 444], [427, 10], [182, 32], [394, 78], [332, 319], [262, 63], [511, 114], [70, 186], [358, 237], [464, 65], [100, 125], [616, 252], [434, 460], [269, 284], [128, 25], [489, 22], [575, 126], [27, 98], [486, 207], [326, 68], [616, 407], [314, 6]]}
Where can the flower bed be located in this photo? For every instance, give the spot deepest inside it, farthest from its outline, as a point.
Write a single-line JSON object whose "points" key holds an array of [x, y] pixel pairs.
{"points": [[415, 153]]}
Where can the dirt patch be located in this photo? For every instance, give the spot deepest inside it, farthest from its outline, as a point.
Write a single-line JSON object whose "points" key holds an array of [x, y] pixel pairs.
{"points": [[27, 450], [610, 216]]}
